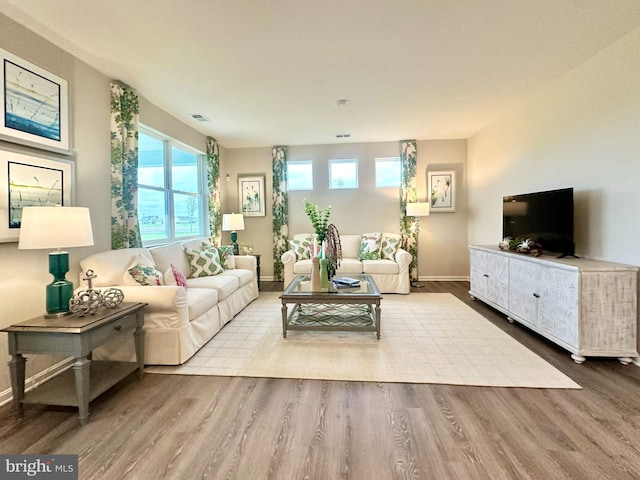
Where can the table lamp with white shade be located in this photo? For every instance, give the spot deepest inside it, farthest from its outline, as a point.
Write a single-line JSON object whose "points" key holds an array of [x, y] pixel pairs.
{"points": [[59, 228], [417, 209], [233, 222]]}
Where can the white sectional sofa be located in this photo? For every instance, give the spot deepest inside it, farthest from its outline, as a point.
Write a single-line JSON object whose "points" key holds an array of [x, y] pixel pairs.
{"points": [[390, 271], [178, 320]]}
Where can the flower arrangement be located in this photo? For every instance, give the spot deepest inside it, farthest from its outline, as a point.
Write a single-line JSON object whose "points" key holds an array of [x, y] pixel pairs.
{"points": [[319, 219]]}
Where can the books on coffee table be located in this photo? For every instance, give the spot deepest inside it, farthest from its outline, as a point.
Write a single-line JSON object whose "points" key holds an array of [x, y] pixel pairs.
{"points": [[344, 282]]}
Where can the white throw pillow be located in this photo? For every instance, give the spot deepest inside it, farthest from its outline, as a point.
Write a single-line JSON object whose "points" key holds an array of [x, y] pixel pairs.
{"points": [[370, 246], [143, 271], [390, 244]]}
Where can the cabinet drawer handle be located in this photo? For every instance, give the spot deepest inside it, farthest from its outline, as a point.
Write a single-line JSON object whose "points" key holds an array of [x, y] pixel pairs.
{"points": [[536, 295], [485, 275], [118, 327]]}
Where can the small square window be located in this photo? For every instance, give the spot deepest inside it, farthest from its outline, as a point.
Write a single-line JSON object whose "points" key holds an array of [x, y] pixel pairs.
{"points": [[388, 172], [343, 173], [300, 175]]}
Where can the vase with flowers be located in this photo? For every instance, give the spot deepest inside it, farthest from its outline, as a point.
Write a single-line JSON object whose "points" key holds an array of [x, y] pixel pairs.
{"points": [[327, 242]]}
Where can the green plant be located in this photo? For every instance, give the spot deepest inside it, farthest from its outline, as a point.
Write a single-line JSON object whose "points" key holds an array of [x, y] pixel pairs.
{"points": [[319, 219]]}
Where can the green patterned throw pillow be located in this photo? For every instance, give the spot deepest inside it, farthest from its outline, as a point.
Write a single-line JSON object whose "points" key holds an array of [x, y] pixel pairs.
{"points": [[227, 260], [370, 246], [205, 263], [390, 245], [301, 247]]}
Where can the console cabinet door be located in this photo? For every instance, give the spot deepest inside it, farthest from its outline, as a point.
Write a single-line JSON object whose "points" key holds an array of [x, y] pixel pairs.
{"points": [[490, 276], [523, 290], [558, 304]]}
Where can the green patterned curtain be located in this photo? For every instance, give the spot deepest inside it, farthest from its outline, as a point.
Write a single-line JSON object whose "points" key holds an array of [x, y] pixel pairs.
{"points": [[125, 230], [408, 194], [280, 209], [213, 183]]}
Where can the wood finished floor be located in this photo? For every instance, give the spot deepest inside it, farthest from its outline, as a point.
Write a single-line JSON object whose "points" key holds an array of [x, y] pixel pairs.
{"points": [[187, 427]]}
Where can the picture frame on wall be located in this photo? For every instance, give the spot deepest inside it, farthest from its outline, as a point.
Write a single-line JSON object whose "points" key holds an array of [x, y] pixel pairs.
{"points": [[35, 105], [29, 180], [442, 191], [251, 195]]}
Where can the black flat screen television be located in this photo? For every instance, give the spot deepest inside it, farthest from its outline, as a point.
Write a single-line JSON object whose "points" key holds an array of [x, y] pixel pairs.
{"points": [[545, 217]]}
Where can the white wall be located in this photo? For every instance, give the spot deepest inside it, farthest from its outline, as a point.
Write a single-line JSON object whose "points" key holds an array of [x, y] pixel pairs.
{"points": [[583, 131]]}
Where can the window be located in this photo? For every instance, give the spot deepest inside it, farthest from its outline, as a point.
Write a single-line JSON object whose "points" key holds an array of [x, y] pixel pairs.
{"points": [[170, 186], [343, 173], [388, 172], [300, 175]]}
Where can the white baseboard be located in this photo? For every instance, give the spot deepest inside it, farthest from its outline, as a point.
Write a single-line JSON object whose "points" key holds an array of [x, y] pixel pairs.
{"points": [[30, 383], [443, 279]]}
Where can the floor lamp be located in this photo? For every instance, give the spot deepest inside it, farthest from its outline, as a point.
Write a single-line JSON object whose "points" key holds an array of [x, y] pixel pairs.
{"points": [[417, 209], [232, 222]]}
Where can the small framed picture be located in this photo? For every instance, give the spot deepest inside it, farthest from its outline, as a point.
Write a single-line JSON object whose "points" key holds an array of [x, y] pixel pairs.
{"points": [[35, 105], [251, 195], [29, 180], [442, 191]]}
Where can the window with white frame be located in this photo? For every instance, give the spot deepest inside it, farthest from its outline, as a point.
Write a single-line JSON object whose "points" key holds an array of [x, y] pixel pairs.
{"points": [[171, 182], [343, 173], [299, 175], [388, 172]]}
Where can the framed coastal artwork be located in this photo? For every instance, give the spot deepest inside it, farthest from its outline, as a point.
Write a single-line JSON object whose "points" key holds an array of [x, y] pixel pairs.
{"points": [[35, 105], [27, 180], [251, 195], [442, 191]]}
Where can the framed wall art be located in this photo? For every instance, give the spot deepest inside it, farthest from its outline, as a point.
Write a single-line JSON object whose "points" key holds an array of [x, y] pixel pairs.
{"points": [[251, 195], [442, 191], [35, 105], [28, 180]]}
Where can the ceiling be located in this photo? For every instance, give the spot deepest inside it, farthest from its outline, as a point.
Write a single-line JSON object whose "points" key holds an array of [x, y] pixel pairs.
{"points": [[270, 73]]}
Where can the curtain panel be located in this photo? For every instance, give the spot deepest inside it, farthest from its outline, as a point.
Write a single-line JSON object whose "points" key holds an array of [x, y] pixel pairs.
{"points": [[213, 195], [125, 229], [280, 209], [408, 194]]}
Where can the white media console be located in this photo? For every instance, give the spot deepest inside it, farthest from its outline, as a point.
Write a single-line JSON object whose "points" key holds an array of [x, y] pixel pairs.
{"points": [[587, 306]]}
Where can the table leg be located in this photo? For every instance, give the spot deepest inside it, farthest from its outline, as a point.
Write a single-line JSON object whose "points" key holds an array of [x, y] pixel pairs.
{"points": [[82, 368], [378, 315], [284, 319], [17, 371], [138, 337]]}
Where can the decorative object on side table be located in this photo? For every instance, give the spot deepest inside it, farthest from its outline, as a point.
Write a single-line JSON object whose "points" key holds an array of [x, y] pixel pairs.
{"points": [[232, 222], [521, 245], [56, 227], [87, 302]]}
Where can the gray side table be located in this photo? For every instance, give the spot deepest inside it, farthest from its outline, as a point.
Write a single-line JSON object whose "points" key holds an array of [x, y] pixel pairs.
{"points": [[76, 337]]}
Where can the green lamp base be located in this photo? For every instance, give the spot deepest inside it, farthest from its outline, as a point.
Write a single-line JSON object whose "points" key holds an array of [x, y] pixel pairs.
{"points": [[60, 291], [234, 241]]}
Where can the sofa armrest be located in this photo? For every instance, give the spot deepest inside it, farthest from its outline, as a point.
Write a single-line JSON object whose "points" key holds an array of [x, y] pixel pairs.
{"points": [[247, 262], [288, 257], [403, 259]]}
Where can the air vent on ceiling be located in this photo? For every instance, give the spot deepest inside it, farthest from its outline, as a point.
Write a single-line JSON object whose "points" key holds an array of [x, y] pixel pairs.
{"points": [[343, 135], [199, 117]]}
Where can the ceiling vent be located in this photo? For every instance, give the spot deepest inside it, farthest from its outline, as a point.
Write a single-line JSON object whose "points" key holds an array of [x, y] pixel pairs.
{"points": [[199, 117], [343, 135]]}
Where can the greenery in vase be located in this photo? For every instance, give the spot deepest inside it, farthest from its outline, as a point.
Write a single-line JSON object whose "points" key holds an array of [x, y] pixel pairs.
{"points": [[319, 219]]}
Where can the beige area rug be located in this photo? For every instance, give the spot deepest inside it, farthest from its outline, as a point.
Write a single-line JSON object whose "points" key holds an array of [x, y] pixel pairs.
{"points": [[425, 338]]}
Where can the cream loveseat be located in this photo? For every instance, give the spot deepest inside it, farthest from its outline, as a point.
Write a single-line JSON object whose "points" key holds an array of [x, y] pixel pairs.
{"points": [[178, 320], [377, 254]]}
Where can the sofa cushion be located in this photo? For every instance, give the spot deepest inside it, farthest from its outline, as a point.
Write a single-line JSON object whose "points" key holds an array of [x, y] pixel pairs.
{"points": [[385, 267], [302, 266], [227, 259], [390, 244], [350, 245], [370, 246], [349, 265], [200, 300], [224, 284], [142, 271], [302, 247], [204, 263], [244, 276], [171, 254]]}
